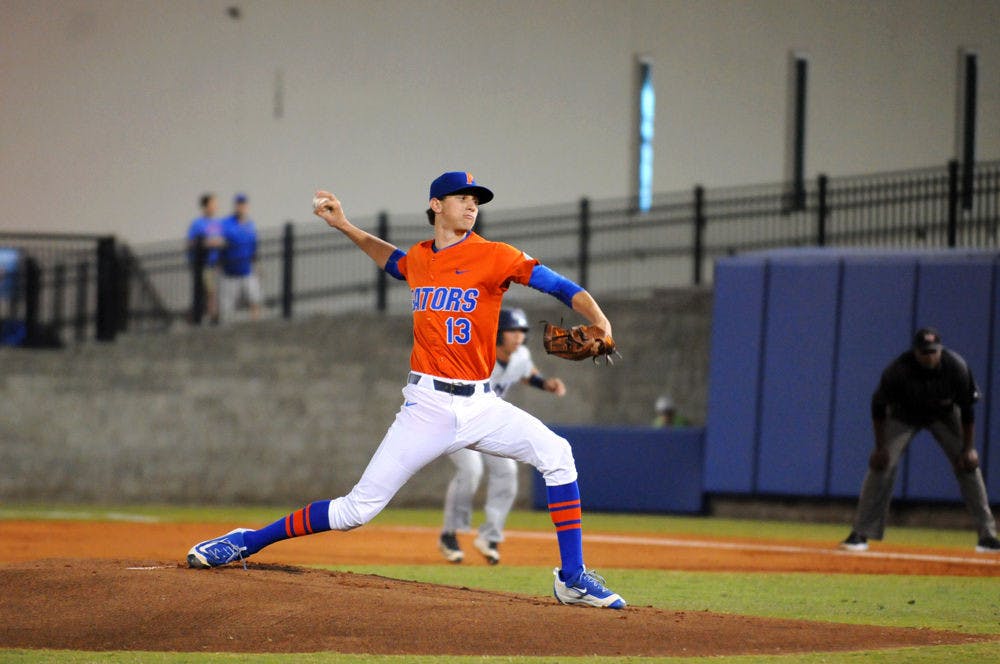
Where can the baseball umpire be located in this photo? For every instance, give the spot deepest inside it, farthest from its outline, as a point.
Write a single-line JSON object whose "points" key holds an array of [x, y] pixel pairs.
{"points": [[457, 280], [927, 387], [514, 365]]}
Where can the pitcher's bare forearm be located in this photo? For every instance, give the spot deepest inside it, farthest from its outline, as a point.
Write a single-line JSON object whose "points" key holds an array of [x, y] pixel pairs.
{"points": [[585, 305], [377, 249], [328, 208]]}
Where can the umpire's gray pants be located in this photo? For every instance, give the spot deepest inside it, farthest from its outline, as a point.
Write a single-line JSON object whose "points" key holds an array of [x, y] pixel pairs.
{"points": [[501, 490], [876, 490]]}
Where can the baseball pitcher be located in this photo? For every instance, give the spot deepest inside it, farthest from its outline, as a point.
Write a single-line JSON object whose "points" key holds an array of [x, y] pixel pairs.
{"points": [[457, 280]]}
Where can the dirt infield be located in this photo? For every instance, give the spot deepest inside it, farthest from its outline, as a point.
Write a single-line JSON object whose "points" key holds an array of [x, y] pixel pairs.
{"points": [[123, 586]]}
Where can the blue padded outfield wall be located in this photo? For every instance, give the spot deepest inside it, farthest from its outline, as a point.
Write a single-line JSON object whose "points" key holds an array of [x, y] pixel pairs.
{"points": [[799, 340], [634, 469]]}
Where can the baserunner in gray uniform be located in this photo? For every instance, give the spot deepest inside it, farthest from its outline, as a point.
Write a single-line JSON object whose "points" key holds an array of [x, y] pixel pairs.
{"points": [[514, 365], [927, 387]]}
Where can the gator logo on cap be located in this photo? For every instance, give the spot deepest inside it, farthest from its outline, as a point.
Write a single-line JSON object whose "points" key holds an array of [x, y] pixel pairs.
{"points": [[469, 179]]}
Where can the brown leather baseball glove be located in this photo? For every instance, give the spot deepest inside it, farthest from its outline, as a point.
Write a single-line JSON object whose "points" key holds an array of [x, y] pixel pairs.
{"points": [[577, 343]]}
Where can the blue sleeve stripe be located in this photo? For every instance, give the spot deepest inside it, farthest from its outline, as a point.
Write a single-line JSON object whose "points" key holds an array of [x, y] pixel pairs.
{"points": [[553, 283], [391, 265]]}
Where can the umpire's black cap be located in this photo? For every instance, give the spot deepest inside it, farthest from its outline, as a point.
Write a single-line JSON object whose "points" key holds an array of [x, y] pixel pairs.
{"points": [[927, 339]]}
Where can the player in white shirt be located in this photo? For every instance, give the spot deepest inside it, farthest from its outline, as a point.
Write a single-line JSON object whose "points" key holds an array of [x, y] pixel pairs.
{"points": [[514, 365]]}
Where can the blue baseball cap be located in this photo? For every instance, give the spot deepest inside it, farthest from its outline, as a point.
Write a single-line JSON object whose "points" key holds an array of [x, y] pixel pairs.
{"points": [[459, 182], [240, 198]]}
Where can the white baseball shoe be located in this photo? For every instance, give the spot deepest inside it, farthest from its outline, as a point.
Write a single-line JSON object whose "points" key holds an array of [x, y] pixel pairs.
{"points": [[452, 552], [488, 549]]}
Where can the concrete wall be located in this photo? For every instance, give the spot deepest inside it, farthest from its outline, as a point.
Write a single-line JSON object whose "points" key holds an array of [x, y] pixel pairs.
{"points": [[280, 412], [117, 114]]}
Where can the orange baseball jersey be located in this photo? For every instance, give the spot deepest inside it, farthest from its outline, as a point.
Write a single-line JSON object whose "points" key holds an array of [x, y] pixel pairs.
{"points": [[457, 293]]}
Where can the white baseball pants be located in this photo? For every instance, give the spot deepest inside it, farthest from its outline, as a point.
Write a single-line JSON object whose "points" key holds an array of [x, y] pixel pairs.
{"points": [[431, 423]]}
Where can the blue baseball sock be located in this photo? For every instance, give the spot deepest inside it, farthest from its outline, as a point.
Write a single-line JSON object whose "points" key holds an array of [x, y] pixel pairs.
{"points": [[313, 518], [564, 508]]}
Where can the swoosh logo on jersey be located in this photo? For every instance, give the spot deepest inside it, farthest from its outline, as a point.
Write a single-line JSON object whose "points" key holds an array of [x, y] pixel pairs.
{"points": [[409, 403], [460, 271]]}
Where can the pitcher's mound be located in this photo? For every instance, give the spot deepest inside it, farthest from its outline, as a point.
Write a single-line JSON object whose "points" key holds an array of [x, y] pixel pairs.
{"points": [[128, 605]]}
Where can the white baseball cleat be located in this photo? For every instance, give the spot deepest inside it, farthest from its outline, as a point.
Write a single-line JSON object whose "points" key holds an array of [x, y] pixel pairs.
{"points": [[448, 544], [488, 549]]}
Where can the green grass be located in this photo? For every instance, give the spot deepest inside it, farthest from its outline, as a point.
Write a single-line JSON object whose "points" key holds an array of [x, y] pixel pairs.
{"points": [[968, 654], [518, 520], [968, 605], [964, 604]]}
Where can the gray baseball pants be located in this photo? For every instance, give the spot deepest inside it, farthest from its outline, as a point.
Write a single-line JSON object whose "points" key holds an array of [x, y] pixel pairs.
{"points": [[876, 490], [501, 490]]}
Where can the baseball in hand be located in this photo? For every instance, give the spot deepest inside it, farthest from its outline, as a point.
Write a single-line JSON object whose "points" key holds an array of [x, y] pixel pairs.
{"points": [[320, 203]]}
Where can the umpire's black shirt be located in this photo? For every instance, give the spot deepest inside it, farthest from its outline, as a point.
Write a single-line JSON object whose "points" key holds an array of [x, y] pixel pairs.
{"points": [[916, 395]]}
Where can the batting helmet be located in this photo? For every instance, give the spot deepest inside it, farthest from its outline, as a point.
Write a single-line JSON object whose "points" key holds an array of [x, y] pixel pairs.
{"points": [[512, 319]]}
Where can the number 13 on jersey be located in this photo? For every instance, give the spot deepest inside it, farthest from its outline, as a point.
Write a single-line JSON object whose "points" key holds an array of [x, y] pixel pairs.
{"points": [[459, 330]]}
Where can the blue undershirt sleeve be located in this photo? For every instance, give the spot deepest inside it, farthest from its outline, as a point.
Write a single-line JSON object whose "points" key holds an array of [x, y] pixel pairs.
{"points": [[391, 265], [553, 283]]}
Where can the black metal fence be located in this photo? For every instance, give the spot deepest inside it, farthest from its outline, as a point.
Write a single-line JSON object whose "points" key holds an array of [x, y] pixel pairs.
{"points": [[607, 246], [59, 286]]}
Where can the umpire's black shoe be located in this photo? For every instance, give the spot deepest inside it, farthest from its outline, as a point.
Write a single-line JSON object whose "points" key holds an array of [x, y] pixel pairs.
{"points": [[988, 545], [855, 542]]}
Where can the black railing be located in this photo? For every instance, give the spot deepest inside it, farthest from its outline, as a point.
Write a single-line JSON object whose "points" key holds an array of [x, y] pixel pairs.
{"points": [[56, 286], [607, 246]]}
